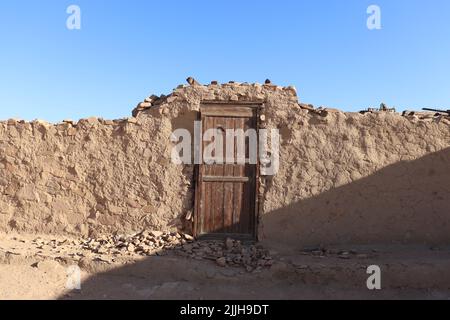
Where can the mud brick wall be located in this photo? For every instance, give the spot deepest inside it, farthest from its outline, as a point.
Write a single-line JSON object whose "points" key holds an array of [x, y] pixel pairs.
{"points": [[344, 177], [351, 178], [95, 176]]}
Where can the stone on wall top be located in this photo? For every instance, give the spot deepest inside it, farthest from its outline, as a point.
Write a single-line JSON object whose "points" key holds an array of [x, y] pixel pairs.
{"points": [[194, 93], [232, 91]]}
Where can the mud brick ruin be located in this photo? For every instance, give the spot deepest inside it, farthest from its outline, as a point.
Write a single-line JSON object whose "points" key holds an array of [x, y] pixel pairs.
{"points": [[378, 177]]}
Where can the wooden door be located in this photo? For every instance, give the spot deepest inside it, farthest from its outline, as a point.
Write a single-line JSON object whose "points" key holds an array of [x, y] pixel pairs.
{"points": [[226, 197]]}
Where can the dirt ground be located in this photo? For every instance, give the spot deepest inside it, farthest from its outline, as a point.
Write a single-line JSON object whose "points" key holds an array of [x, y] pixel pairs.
{"points": [[33, 267]]}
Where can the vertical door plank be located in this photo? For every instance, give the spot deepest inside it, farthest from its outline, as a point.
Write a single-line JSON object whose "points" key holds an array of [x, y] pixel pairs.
{"points": [[249, 193], [208, 210], [228, 186], [217, 203], [252, 186], [238, 187]]}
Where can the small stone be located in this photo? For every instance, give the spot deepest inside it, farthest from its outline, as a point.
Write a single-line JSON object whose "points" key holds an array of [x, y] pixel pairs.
{"points": [[144, 105], [229, 243], [145, 234], [71, 131], [171, 99], [156, 234], [291, 89], [101, 250], [310, 249], [317, 253], [91, 120], [192, 81], [221, 262], [188, 237], [103, 259], [301, 266], [42, 123]]}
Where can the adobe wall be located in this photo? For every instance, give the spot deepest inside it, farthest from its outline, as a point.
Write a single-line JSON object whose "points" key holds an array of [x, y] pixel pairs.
{"points": [[344, 177], [352, 178], [95, 176]]}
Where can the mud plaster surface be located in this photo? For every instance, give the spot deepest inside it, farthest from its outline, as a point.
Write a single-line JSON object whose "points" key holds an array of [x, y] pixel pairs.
{"points": [[344, 177]]}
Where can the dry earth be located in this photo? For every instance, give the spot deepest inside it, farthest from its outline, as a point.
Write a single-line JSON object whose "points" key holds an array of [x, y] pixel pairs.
{"points": [[33, 267]]}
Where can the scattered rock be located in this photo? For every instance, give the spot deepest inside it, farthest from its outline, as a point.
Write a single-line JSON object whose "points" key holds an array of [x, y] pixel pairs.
{"points": [[156, 234], [192, 81], [221, 262], [188, 237], [229, 243], [226, 254]]}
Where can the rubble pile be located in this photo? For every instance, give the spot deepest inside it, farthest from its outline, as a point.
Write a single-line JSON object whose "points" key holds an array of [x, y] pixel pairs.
{"points": [[149, 102], [229, 253], [146, 243]]}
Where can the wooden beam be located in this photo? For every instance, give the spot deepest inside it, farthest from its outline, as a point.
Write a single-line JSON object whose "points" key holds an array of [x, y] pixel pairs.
{"points": [[228, 111], [225, 179]]}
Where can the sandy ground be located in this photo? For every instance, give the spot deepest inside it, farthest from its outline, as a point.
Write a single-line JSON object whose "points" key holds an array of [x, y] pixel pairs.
{"points": [[30, 270]]}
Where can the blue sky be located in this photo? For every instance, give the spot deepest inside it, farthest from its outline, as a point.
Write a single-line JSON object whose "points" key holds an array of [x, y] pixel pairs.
{"points": [[127, 50]]}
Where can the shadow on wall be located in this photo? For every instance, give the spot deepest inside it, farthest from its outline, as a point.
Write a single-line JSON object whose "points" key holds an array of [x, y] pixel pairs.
{"points": [[407, 202]]}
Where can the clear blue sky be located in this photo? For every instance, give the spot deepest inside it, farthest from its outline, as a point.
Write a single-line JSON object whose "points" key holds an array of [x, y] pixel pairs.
{"points": [[127, 50]]}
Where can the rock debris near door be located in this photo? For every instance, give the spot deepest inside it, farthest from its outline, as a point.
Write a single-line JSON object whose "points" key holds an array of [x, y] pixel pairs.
{"points": [[228, 253], [110, 251]]}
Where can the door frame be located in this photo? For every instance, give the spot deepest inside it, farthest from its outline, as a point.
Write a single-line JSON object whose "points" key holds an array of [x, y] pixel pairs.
{"points": [[198, 204]]}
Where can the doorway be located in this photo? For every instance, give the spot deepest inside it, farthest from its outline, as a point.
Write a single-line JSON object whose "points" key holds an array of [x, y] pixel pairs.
{"points": [[226, 201]]}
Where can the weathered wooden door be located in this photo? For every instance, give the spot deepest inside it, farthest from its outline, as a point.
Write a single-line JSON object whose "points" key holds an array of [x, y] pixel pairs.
{"points": [[226, 196]]}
